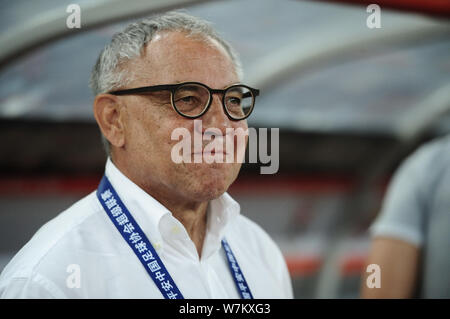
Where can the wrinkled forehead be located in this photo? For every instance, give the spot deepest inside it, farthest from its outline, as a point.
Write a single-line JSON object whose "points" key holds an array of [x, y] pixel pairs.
{"points": [[173, 38], [177, 56]]}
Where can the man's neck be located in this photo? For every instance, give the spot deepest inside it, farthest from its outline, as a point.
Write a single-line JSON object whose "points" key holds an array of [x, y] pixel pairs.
{"points": [[194, 219], [192, 215]]}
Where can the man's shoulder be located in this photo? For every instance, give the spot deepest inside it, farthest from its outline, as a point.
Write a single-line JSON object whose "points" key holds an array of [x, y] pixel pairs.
{"points": [[252, 244], [51, 237], [427, 164], [256, 239], [431, 154], [250, 227]]}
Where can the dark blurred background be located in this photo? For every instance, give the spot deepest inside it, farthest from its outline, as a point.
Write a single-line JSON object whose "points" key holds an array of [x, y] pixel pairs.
{"points": [[350, 102]]}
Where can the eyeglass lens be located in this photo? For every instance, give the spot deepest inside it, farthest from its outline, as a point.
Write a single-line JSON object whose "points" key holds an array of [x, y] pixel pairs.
{"points": [[192, 99]]}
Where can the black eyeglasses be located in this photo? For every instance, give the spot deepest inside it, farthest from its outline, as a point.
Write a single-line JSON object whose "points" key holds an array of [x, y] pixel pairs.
{"points": [[193, 99]]}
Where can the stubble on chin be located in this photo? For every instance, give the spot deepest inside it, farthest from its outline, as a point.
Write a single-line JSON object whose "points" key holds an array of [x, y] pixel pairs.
{"points": [[205, 183]]}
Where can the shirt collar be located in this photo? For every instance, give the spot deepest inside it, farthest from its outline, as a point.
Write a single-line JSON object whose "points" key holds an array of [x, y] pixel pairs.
{"points": [[157, 221], [146, 210], [221, 211]]}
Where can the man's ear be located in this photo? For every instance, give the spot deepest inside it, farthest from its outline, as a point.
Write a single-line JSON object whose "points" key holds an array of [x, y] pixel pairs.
{"points": [[109, 114]]}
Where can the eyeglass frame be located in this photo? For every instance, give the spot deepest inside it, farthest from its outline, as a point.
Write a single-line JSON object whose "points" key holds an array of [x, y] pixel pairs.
{"points": [[173, 87]]}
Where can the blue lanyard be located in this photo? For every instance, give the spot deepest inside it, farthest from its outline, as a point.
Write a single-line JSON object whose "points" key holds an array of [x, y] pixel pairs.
{"points": [[146, 253]]}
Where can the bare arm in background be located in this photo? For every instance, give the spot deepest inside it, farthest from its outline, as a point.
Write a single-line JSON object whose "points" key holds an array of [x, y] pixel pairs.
{"points": [[398, 261]]}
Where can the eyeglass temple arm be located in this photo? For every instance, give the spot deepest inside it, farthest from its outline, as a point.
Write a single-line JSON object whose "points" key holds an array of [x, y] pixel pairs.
{"points": [[145, 89]]}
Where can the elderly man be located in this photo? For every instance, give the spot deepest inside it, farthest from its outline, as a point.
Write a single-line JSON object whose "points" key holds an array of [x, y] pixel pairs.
{"points": [[155, 227]]}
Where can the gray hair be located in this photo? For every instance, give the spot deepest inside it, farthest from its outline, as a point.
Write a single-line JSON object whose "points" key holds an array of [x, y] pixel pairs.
{"points": [[128, 44]]}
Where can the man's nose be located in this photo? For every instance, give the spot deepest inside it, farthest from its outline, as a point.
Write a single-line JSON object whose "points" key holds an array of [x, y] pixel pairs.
{"points": [[215, 117]]}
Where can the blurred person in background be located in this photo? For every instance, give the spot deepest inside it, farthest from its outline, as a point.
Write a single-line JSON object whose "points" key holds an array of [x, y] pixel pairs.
{"points": [[156, 228], [411, 236]]}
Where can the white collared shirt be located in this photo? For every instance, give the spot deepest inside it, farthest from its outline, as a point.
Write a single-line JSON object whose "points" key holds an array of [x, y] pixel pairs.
{"points": [[80, 253]]}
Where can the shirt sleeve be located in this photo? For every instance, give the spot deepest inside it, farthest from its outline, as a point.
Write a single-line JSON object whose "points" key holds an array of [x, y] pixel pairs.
{"points": [[404, 211]]}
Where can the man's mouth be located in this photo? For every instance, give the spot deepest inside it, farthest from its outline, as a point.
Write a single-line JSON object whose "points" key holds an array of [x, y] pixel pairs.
{"points": [[212, 152]]}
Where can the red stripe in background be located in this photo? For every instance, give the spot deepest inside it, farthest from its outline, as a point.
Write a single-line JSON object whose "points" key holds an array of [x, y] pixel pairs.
{"points": [[29, 186], [70, 185], [352, 264], [264, 184], [259, 184], [302, 266]]}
